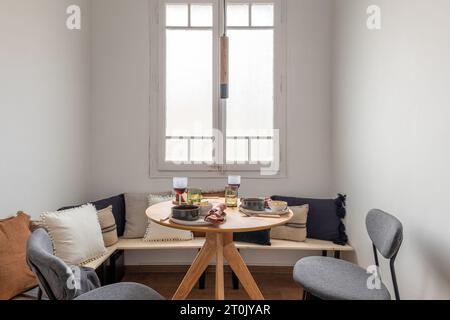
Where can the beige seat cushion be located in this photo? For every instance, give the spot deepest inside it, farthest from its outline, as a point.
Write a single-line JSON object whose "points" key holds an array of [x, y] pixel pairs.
{"points": [[108, 225], [15, 275], [295, 229]]}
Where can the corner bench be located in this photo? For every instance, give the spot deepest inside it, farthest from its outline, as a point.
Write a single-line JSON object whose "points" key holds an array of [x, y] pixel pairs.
{"points": [[109, 267]]}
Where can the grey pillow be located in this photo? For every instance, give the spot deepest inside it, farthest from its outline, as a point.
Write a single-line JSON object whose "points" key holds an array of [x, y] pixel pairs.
{"points": [[136, 220]]}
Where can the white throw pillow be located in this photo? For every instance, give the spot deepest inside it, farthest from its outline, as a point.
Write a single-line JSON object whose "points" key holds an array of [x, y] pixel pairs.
{"points": [[158, 233], [76, 234]]}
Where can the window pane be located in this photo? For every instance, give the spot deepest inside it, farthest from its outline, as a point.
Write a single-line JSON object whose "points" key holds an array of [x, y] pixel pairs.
{"points": [[177, 15], [176, 150], [250, 108], [238, 15], [237, 150], [189, 92], [189, 83], [262, 150], [201, 150], [201, 15], [262, 15]]}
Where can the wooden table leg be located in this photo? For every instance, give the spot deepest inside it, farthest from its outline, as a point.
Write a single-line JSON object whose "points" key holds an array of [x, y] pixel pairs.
{"points": [[220, 285], [239, 267], [197, 268]]}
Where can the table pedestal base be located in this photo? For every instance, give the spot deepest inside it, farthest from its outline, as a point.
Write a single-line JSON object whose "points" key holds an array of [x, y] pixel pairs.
{"points": [[221, 246]]}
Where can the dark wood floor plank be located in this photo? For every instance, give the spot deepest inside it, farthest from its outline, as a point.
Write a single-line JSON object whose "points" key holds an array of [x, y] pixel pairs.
{"points": [[274, 286]]}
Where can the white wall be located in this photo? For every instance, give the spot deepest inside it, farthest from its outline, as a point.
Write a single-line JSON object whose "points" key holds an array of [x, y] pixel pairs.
{"points": [[121, 114], [391, 132], [44, 106]]}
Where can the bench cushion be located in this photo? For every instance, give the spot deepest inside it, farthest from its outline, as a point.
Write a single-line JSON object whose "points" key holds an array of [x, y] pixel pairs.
{"points": [[324, 217]]}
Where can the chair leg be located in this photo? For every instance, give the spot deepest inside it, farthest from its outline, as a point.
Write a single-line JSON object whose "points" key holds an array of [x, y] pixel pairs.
{"points": [[337, 254], [324, 253], [39, 296]]}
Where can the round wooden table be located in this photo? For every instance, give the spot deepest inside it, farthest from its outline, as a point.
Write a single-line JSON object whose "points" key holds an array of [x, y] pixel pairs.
{"points": [[219, 243]]}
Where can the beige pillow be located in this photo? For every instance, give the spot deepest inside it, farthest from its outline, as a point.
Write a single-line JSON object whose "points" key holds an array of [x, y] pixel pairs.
{"points": [[136, 220], [158, 233], [108, 225], [76, 234], [295, 229]]}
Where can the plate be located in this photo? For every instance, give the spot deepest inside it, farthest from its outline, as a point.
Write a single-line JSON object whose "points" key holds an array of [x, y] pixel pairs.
{"points": [[268, 211], [197, 223]]}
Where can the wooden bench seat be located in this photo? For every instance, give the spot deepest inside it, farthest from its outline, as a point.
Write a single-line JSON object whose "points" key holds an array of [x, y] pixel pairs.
{"points": [[197, 243]]}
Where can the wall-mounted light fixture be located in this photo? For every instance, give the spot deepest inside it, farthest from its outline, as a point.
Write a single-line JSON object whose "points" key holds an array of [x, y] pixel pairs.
{"points": [[224, 58]]}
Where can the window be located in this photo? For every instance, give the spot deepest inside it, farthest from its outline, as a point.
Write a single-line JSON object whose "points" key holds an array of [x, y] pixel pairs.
{"points": [[195, 130]]}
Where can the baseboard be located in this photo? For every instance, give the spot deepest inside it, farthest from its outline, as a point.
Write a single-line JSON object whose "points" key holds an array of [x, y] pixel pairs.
{"points": [[184, 269]]}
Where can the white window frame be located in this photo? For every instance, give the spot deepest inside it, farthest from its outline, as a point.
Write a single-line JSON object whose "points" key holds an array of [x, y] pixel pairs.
{"points": [[159, 168]]}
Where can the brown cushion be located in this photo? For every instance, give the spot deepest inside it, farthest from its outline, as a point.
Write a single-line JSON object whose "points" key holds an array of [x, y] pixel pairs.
{"points": [[108, 225], [15, 275]]}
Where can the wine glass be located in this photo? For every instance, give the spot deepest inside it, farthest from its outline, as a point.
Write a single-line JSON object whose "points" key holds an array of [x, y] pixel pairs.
{"points": [[180, 186]]}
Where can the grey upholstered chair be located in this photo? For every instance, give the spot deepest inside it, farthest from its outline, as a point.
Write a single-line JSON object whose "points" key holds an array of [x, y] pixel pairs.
{"points": [[56, 278], [333, 279]]}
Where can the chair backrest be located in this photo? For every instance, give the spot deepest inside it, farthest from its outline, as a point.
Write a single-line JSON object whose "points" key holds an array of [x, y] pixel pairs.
{"points": [[53, 274], [385, 231]]}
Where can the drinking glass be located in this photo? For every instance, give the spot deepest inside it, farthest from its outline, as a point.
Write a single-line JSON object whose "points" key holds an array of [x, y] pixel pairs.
{"points": [[231, 196], [180, 186], [194, 196]]}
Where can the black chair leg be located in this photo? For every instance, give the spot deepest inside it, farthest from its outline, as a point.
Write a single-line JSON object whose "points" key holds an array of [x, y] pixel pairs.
{"points": [[304, 295], [235, 281], [202, 281], [39, 296], [337, 254], [324, 253]]}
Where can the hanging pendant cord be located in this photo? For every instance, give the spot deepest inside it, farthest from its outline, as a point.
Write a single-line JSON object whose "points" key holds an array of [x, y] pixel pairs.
{"points": [[224, 17]]}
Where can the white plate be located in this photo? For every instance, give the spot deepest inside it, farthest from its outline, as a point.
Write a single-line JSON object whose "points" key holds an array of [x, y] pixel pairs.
{"points": [[268, 211], [197, 223]]}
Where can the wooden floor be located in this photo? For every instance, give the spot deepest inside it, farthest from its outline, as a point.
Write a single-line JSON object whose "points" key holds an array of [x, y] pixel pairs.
{"points": [[275, 284]]}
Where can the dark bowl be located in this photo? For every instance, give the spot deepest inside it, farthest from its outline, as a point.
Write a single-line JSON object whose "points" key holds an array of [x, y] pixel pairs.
{"points": [[186, 213], [254, 204]]}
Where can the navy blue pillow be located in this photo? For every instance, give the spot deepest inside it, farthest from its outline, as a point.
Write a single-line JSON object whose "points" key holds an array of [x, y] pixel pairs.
{"points": [[324, 217], [256, 237], [118, 204]]}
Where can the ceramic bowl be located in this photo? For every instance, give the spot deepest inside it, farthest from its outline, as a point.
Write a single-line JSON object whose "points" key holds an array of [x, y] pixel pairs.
{"points": [[205, 208], [254, 204], [186, 213], [278, 205]]}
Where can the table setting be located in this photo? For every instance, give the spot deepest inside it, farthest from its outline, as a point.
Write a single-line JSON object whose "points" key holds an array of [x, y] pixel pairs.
{"points": [[190, 209], [219, 219]]}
